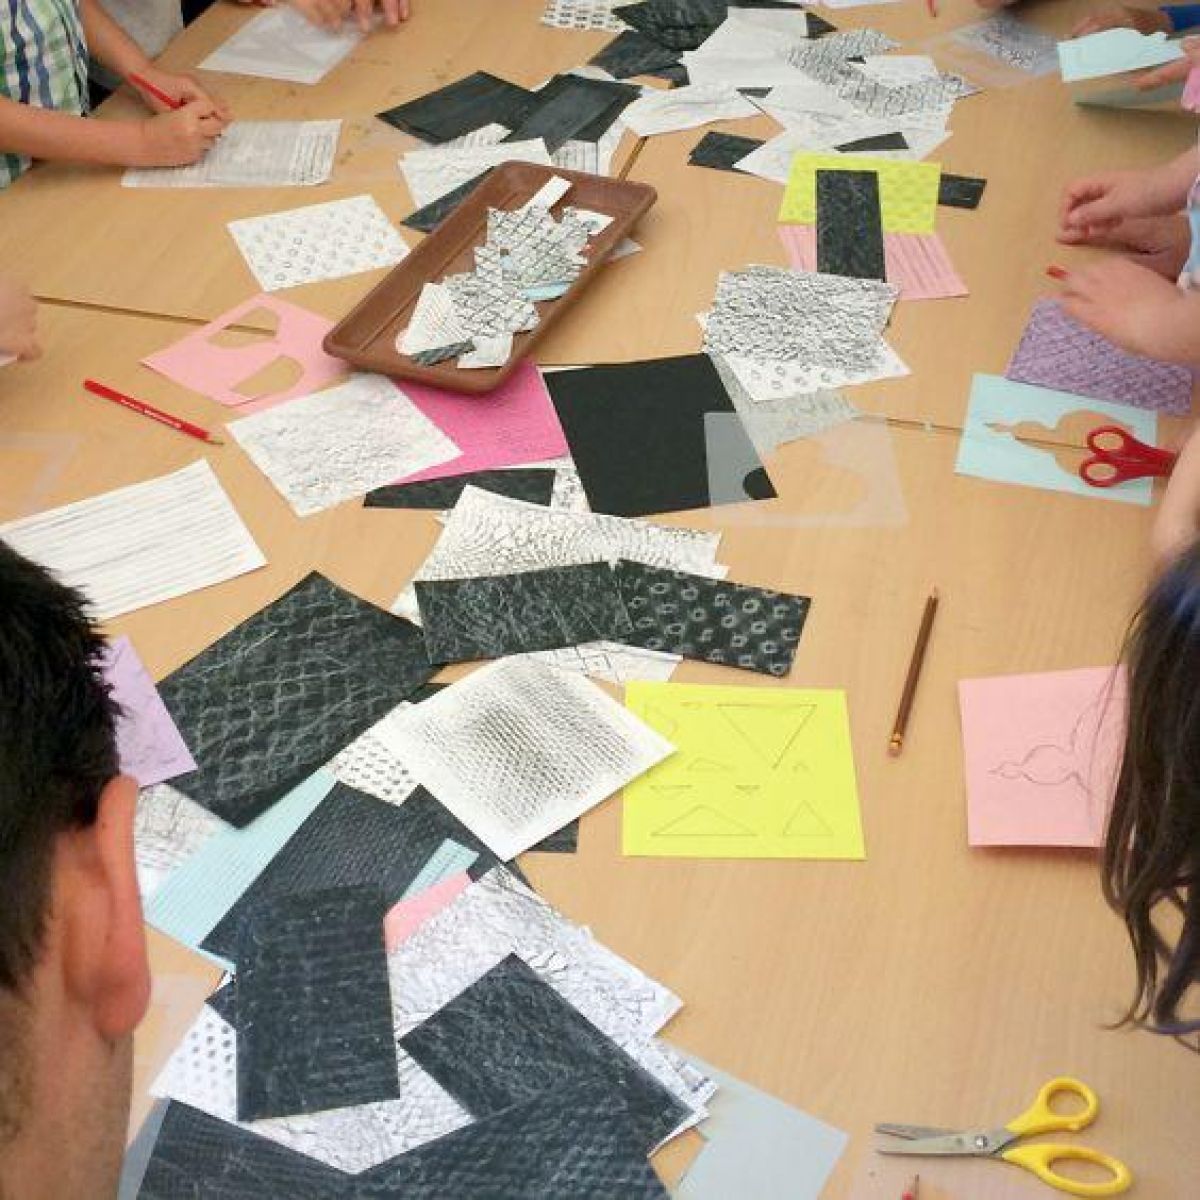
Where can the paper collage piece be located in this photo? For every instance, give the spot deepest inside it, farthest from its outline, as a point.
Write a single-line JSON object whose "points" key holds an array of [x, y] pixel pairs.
{"points": [[572, 108], [149, 745], [828, 59], [849, 224], [1042, 755], [1016, 433], [433, 173], [252, 371], [254, 154], [517, 749], [1057, 352], [960, 191], [759, 774], [881, 141], [568, 1142], [462, 107], [495, 615], [142, 544], [332, 446], [582, 14], [318, 242], [194, 897], [686, 108], [405, 917], [752, 1141], [608, 660], [487, 534], [636, 433], [283, 44], [1016, 44], [367, 765], [510, 1037], [632, 53], [1112, 51], [908, 191], [314, 1016], [534, 485], [722, 150], [168, 829], [713, 620], [280, 694]]}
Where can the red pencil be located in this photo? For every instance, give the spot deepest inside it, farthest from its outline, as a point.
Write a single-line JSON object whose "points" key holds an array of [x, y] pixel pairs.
{"points": [[1058, 273], [146, 86], [139, 406]]}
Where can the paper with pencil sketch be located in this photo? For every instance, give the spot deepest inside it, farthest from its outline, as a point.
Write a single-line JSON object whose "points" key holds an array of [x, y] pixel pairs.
{"points": [[1042, 754], [282, 44], [253, 154], [142, 544]]}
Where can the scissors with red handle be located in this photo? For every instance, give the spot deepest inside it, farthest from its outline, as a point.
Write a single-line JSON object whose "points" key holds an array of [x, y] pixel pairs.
{"points": [[1117, 457]]}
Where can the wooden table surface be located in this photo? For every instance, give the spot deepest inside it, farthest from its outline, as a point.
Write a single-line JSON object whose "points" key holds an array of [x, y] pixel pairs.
{"points": [[931, 982]]}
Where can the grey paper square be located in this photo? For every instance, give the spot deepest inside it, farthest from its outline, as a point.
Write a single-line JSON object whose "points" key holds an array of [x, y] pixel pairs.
{"points": [[280, 694], [510, 1037], [314, 1009]]}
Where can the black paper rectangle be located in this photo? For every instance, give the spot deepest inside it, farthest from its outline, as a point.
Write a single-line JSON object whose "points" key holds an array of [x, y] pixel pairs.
{"points": [[461, 107], [534, 485], [570, 108], [849, 225], [633, 53], [960, 191], [721, 150]]}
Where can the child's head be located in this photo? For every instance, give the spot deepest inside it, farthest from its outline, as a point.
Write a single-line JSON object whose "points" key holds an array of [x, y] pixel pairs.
{"points": [[1152, 853]]}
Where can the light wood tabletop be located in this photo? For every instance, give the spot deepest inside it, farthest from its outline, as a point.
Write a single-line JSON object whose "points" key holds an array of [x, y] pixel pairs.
{"points": [[931, 983]]}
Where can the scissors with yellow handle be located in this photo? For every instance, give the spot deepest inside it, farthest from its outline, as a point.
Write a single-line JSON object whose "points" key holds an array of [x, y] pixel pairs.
{"points": [[1038, 1157]]}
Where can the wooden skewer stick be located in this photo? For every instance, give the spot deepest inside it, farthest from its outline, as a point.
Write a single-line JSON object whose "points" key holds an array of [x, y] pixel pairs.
{"points": [[896, 744]]}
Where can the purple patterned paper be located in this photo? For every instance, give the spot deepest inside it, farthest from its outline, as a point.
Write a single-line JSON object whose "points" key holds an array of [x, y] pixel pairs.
{"points": [[1057, 352]]}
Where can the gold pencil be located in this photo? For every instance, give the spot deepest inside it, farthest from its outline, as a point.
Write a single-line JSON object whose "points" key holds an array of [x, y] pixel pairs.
{"points": [[896, 744]]}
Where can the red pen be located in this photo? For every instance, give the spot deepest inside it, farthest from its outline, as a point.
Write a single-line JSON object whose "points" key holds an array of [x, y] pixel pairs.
{"points": [[139, 406], [146, 86], [1058, 273]]}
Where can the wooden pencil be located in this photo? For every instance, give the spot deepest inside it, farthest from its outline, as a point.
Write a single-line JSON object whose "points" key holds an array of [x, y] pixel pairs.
{"points": [[908, 695]]}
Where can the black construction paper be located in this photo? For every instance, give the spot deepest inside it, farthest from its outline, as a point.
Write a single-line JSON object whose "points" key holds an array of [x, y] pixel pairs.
{"points": [[510, 1037], [849, 225], [561, 841], [637, 433], [960, 191], [879, 141], [461, 107], [282, 693], [712, 620], [428, 218], [570, 108], [534, 485], [721, 150], [633, 53]]}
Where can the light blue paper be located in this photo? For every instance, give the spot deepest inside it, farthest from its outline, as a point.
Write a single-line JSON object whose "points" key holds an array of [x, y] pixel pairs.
{"points": [[190, 901], [991, 453], [448, 859], [1112, 51], [757, 1147]]}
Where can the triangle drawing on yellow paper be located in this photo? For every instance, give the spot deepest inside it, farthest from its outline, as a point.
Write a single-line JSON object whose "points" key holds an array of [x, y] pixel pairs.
{"points": [[759, 773]]}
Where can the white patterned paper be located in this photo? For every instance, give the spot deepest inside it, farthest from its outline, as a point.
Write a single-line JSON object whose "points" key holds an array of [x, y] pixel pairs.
{"points": [[168, 828], [660, 111], [583, 14]]}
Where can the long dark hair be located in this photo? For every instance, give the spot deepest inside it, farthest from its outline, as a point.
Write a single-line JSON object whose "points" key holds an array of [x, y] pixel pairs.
{"points": [[1152, 848]]}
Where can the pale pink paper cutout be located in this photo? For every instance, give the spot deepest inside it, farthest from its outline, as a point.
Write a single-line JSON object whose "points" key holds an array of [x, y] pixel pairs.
{"points": [[1042, 754], [405, 917], [917, 263], [512, 426], [216, 371]]}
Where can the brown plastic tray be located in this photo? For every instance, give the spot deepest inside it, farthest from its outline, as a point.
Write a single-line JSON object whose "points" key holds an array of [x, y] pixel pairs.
{"points": [[366, 336]]}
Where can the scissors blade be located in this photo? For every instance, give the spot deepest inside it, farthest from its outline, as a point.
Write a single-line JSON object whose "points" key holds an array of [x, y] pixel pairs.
{"points": [[914, 1131], [976, 1143]]}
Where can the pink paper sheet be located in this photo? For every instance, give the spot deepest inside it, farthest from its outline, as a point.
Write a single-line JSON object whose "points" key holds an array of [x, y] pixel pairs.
{"points": [[917, 263], [216, 371], [151, 748], [1042, 752], [512, 426], [405, 917]]}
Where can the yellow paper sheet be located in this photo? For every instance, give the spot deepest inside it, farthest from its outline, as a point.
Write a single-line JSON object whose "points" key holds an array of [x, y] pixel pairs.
{"points": [[760, 773], [908, 191]]}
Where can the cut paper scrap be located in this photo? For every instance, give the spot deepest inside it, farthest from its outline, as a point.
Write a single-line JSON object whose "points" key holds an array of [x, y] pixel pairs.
{"points": [[1112, 51], [917, 263], [534, 485], [283, 44], [142, 544], [435, 172], [150, 747], [759, 774], [908, 191], [1042, 754], [1016, 433], [252, 370], [582, 14], [331, 446], [405, 917], [168, 829], [1055, 351], [752, 1141], [1011, 41], [685, 108]]}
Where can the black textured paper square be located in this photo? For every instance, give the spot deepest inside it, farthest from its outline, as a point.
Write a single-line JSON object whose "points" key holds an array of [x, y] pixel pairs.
{"points": [[494, 615], [461, 107], [314, 1007], [721, 150], [431, 215], [637, 435], [577, 1143], [570, 108], [960, 191], [350, 839], [534, 485], [677, 24], [849, 225], [510, 1037], [633, 53], [879, 141], [282, 693], [712, 620]]}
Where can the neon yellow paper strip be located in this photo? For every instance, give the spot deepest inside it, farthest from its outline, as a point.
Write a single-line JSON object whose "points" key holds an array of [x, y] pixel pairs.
{"points": [[908, 191]]}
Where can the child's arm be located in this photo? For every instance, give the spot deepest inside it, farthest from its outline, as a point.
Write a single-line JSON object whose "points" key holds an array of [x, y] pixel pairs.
{"points": [[18, 321], [1125, 16], [1177, 523]]}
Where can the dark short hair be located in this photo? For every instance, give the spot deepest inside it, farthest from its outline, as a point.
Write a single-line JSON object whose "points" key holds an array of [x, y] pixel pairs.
{"points": [[57, 745]]}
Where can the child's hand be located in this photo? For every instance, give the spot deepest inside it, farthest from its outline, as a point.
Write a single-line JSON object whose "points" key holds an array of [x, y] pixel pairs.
{"points": [[179, 137], [1134, 308], [324, 14], [394, 11], [1122, 16], [1172, 72], [18, 321], [1095, 205], [1160, 243], [182, 87]]}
